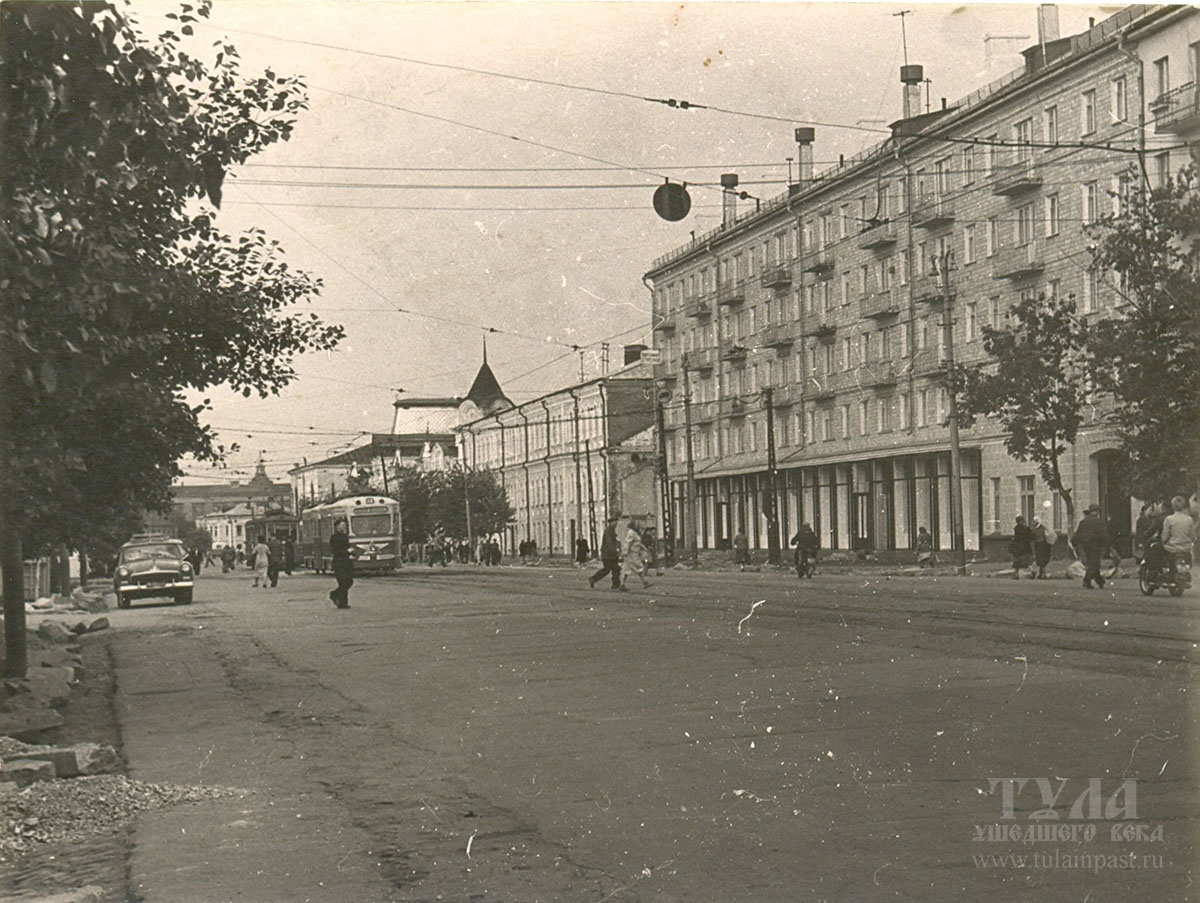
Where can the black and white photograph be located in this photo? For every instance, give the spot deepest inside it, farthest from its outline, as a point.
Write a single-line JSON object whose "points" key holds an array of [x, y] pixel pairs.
{"points": [[612, 451]]}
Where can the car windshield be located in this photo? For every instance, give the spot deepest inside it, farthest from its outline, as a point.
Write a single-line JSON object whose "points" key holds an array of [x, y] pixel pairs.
{"points": [[371, 524], [151, 550]]}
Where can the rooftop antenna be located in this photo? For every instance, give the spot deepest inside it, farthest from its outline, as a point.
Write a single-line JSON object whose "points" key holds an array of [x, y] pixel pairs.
{"points": [[903, 31]]}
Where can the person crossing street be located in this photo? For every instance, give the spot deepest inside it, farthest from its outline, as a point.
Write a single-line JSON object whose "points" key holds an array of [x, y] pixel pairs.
{"points": [[343, 564]]}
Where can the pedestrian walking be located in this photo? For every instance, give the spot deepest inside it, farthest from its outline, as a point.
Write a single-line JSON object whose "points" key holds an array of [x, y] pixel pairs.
{"points": [[1093, 541], [581, 552], [260, 559], [741, 549], [1044, 539], [610, 555], [228, 559], [1021, 547], [275, 564], [343, 564], [650, 541], [289, 555], [635, 556], [924, 548]]}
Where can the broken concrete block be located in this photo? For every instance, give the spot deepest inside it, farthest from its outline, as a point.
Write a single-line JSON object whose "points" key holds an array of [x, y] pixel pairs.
{"points": [[97, 624], [27, 771], [70, 761], [29, 723], [54, 632]]}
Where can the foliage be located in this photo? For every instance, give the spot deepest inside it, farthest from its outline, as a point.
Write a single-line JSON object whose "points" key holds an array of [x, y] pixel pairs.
{"points": [[1037, 386], [120, 293], [197, 539], [1144, 353], [429, 497]]}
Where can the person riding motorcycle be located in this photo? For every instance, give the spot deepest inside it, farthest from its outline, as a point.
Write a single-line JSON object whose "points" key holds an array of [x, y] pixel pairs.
{"points": [[1178, 537], [806, 544]]}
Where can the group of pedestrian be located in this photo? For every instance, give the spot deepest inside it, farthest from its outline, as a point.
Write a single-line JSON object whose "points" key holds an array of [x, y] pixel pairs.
{"points": [[622, 554], [1032, 547], [268, 558]]}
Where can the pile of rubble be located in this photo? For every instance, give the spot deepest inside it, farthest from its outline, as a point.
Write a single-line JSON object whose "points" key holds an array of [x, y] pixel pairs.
{"points": [[79, 600]]}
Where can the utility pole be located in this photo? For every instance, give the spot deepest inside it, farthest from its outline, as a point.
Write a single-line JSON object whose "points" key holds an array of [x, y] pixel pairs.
{"points": [[772, 506], [690, 501], [664, 483], [944, 262]]}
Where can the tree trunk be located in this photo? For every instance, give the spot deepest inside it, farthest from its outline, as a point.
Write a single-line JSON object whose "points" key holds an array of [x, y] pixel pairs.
{"points": [[15, 640]]}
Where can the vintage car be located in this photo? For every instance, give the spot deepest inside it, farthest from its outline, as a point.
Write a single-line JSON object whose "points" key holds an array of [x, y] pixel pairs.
{"points": [[153, 566]]}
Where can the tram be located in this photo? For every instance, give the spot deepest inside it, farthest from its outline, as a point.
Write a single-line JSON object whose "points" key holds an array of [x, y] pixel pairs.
{"points": [[374, 523]]}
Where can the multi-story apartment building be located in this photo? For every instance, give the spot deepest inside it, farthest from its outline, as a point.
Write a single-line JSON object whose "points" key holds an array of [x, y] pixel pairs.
{"points": [[569, 458], [845, 296]]}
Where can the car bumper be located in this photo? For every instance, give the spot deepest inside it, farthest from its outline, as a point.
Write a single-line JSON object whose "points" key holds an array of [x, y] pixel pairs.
{"points": [[157, 588]]}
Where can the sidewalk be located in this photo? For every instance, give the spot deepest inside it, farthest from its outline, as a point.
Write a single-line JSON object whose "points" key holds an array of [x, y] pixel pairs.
{"points": [[284, 842]]}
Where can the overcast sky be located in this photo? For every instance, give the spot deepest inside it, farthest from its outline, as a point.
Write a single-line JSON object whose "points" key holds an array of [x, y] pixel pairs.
{"points": [[475, 166]]}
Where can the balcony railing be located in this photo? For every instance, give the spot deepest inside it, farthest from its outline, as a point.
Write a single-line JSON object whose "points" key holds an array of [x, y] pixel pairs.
{"points": [[1177, 111], [735, 407], [880, 304], [666, 323], [818, 262], [878, 235], [781, 335], [704, 412], [823, 331], [777, 276], [928, 360], [1019, 262], [881, 373], [732, 295], [698, 308], [733, 351], [704, 359], [931, 212], [785, 396], [1015, 178], [667, 373], [928, 289]]}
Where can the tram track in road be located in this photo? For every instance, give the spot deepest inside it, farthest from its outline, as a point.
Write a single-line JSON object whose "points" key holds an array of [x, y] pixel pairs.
{"points": [[1058, 616]]}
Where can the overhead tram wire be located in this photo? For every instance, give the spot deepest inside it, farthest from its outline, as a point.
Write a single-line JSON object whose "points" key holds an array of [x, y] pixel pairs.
{"points": [[671, 102], [375, 291]]}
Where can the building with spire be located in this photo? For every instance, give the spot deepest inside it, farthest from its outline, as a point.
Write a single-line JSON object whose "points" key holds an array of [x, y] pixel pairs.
{"points": [[568, 459]]}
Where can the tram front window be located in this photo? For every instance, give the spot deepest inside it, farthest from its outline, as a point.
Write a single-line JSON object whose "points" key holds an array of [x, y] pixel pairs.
{"points": [[371, 525]]}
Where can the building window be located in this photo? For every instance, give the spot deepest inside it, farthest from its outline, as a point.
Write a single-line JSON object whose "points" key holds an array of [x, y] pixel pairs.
{"points": [[905, 412], [1053, 289], [1091, 202], [885, 415], [845, 352], [922, 333], [971, 321], [1025, 224], [989, 154], [1052, 215], [905, 266], [845, 421], [864, 417], [994, 522], [923, 408], [1120, 99], [992, 236], [1087, 113], [864, 347], [994, 312], [1162, 169], [941, 171], [1025, 491], [809, 427], [1162, 75], [864, 278], [1050, 120], [844, 220], [1023, 133], [902, 195], [968, 165], [1091, 292], [827, 425], [847, 293], [969, 243]]}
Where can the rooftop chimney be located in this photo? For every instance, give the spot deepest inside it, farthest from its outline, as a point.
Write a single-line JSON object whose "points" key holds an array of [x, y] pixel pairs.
{"points": [[804, 140], [729, 183], [911, 77], [1047, 23]]}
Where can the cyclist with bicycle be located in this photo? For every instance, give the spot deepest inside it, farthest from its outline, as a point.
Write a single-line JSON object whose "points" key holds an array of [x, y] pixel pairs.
{"points": [[806, 544]]}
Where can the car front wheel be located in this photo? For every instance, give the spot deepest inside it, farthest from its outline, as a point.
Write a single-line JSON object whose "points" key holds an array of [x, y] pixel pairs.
{"points": [[122, 600], [183, 597]]}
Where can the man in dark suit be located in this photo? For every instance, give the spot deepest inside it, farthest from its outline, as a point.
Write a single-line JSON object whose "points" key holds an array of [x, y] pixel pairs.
{"points": [[1093, 541], [610, 554]]}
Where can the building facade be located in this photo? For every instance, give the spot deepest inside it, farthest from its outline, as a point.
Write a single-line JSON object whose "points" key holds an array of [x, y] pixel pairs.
{"points": [[569, 458], [816, 331]]}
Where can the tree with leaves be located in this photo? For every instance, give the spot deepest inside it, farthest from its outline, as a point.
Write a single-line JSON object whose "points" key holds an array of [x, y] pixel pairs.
{"points": [[429, 497], [1036, 386], [120, 293], [1143, 354]]}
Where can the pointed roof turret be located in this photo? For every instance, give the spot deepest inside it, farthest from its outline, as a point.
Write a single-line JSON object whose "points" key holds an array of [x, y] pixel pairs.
{"points": [[485, 392]]}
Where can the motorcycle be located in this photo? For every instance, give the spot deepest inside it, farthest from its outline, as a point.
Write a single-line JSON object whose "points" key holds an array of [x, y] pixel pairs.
{"points": [[1161, 569]]}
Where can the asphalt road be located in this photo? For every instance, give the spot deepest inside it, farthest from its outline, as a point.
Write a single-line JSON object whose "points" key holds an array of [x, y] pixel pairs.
{"points": [[512, 735]]}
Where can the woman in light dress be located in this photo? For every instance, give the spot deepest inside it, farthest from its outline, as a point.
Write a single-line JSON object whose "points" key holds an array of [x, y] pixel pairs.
{"points": [[635, 554]]}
